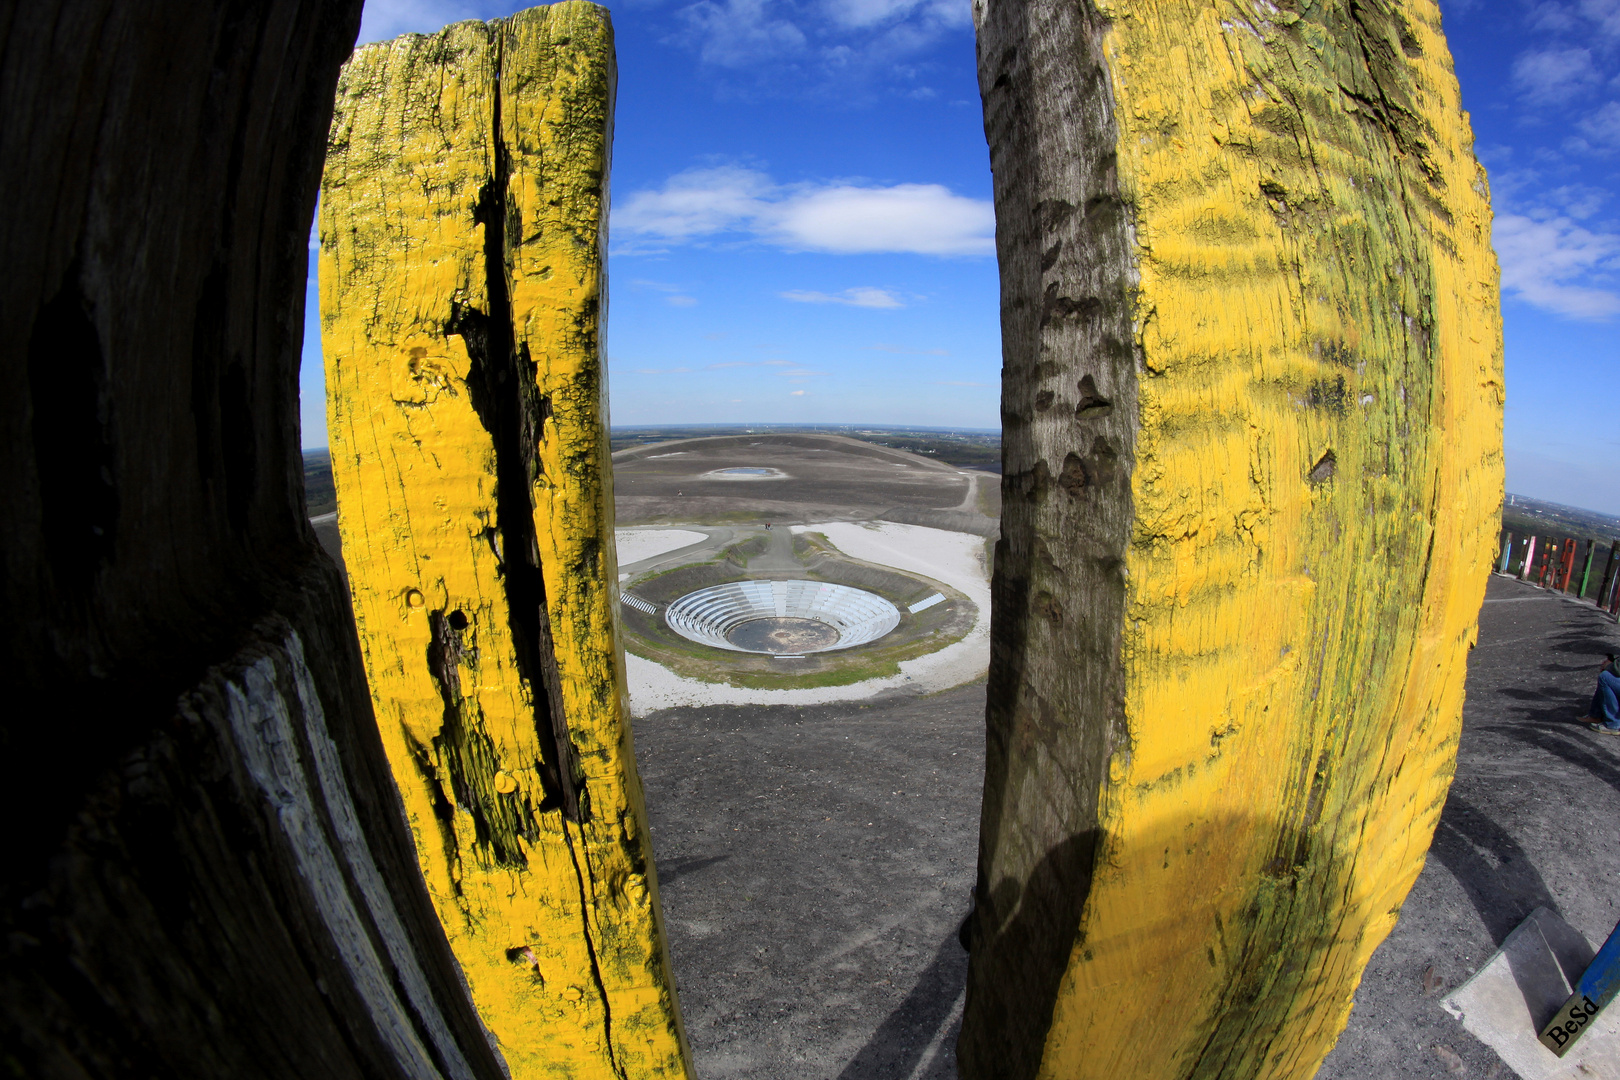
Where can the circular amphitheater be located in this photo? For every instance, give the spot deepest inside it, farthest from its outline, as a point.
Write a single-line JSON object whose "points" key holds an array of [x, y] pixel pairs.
{"points": [[781, 618]]}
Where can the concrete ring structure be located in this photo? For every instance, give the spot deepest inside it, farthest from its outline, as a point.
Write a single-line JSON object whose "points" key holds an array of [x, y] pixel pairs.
{"points": [[744, 472], [781, 617]]}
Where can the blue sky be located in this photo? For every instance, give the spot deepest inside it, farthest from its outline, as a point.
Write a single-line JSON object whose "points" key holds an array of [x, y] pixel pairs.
{"points": [[802, 229]]}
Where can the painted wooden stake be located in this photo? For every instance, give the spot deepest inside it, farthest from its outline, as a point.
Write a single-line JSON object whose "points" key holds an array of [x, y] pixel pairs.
{"points": [[1596, 988], [1507, 552], [462, 298], [1247, 522], [1529, 560], [1605, 595]]}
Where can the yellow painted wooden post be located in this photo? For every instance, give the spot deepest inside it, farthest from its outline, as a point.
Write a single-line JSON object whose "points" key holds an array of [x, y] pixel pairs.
{"points": [[462, 227], [1253, 393]]}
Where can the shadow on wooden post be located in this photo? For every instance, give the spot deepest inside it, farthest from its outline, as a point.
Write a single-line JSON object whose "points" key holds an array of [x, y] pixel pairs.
{"points": [[207, 872]]}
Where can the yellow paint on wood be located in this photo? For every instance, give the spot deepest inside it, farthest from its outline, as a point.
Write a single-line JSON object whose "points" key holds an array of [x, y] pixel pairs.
{"points": [[1317, 476], [462, 290]]}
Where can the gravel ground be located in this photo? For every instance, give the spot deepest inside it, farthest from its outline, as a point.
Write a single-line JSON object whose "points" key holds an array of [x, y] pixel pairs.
{"points": [[822, 478], [814, 865], [1524, 826], [816, 862]]}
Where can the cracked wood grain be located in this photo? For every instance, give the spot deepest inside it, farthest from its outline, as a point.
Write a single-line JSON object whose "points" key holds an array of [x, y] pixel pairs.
{"points": [[462, 287]]}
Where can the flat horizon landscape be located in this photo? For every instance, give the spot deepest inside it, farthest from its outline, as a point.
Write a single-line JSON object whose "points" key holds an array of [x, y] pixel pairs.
{"points": [[969, 448]]}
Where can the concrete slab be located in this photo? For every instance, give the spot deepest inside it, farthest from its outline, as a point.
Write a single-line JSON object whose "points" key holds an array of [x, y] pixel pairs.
{"points": [[639, 545], [1518, 990]]}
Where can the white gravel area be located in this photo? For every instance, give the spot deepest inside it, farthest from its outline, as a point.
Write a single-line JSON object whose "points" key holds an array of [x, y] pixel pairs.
{"points": [[637, 544], [957, 559]]}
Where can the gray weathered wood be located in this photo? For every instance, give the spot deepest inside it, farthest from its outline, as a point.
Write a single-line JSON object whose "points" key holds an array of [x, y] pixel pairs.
{"points": [[207, 873]]}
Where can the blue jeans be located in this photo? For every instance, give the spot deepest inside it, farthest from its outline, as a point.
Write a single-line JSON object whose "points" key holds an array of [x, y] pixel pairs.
{"points": [[1606, 702]]}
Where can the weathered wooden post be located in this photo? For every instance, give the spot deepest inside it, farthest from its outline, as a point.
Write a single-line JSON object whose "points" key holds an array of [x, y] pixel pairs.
{"points": [[1586, 569], [1608, 574], [207, 873], [1528, 568], [463, 291], [1612, 605], [1507, 553], [1251, 485]]}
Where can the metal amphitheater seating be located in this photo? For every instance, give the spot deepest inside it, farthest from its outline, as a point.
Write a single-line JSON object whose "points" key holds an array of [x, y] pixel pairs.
{"points": [[709, 615], [630, 599]]}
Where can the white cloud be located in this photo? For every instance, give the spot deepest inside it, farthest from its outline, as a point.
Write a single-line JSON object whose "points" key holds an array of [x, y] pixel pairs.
{"points": [[739, 33], [927, 219], [841, 218], [863, 13], [799, 393], [864, 296], [1552, 75], [676, 297], [664, 371], [1558, 265], [1588, 17], [1578, 200], [1603, 14], [698, 202], [800, 374], [1603, 126], [843, 48]]}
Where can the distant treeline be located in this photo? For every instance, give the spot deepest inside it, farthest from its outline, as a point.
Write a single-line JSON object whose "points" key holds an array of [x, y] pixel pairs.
{"points": [[1524, 516]]}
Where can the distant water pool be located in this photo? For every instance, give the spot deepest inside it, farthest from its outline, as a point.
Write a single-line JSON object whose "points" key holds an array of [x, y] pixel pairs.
{"points": [[745, 473]]}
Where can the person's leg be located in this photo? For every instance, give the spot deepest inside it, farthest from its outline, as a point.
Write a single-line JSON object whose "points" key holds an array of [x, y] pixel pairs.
{"points": [[1606, 702]]}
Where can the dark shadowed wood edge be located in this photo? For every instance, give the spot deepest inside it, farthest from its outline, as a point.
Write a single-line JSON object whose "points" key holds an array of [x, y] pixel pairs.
{"points": [[1055, 704], [207, 872]]}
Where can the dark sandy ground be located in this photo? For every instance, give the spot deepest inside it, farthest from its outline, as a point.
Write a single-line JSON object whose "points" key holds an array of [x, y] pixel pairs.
{"points": [[814, 865], [1531, 820], [824, 478], [817, 861]]}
